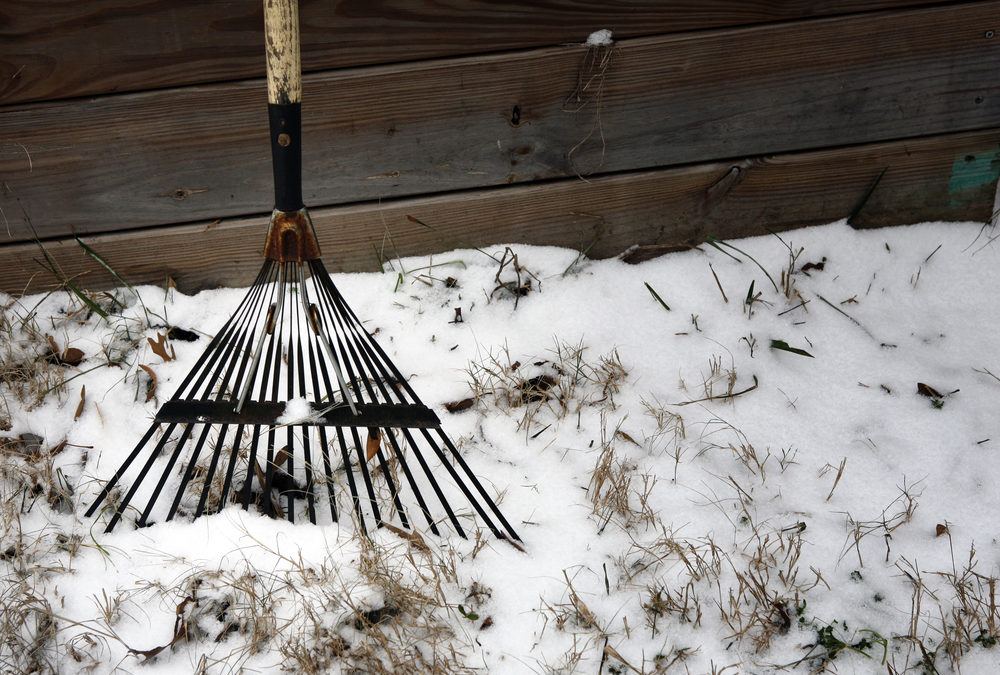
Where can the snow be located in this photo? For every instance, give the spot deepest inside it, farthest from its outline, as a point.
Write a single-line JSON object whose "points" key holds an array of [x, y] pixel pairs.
{"points": [[600, 38], [689, 496], [296, 410]]}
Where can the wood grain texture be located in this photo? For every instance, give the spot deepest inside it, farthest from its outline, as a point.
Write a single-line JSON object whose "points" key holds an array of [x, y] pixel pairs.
{"points": [[201, 153], [68, 48], [284, 54], [951, 177]]}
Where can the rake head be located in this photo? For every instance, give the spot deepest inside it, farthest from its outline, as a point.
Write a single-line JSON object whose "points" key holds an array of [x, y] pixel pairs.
{"points": [[290, 403]]}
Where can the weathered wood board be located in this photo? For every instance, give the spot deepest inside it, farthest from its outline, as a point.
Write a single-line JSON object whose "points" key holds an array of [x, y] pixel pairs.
{"points": [[386, 132], [71, 49], [951, 177]]}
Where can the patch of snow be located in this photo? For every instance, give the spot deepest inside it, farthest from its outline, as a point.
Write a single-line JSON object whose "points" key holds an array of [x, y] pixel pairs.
{"points": [[600, 38], [296, 410]]}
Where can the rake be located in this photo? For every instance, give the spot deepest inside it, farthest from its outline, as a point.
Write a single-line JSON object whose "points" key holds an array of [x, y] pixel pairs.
{"points": [[293, 397]]}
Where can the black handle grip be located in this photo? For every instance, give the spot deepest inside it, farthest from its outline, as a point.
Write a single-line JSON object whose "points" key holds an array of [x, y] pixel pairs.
{"points": [[286, 154]]}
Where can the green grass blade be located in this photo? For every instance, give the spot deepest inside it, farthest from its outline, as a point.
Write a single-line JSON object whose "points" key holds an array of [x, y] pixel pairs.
{"points": [[785, 347], [657, 296], [717, 242]]}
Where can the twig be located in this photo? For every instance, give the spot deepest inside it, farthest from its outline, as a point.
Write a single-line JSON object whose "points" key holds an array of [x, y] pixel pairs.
{"points": [[722, 397]]}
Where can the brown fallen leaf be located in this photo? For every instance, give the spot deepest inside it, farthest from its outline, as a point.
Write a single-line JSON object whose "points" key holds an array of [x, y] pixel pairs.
{"points": [[83, 400], [159, 347], [621, 434], [927, 390], [151, 389], [459, 406], [281, 457], [371, 447], [71, 357], [413, 537], [941, 529]]}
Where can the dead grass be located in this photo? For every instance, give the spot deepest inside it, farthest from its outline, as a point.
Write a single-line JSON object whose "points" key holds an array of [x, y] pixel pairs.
{"points": [[561, 384]]}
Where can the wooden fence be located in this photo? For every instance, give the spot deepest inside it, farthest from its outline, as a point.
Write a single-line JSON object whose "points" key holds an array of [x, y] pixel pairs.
{"points": [[140, 126]]}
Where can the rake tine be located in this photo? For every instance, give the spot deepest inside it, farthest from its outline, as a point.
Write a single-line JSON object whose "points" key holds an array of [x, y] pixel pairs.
{"points": [[110, 485], [366, 475], [222, 346], [388, 478], [188, 428], [267, 329], [251, 465], [475, 481], [247, 353], [222, 334], [210, 474], [189, 472], [328, 327], [412, 483], [325, 448], [119, 512], [307, 467], [434, 484], [315, 323], [355, 497], [233, 455], [387, 368], [268, 475], [238, 344]]}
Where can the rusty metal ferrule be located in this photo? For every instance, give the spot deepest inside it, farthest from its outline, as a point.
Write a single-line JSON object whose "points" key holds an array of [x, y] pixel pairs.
{"points": [[291, 237]]}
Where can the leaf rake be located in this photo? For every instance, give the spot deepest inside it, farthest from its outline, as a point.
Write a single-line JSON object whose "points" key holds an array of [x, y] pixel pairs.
{"points": [[294, 347]]}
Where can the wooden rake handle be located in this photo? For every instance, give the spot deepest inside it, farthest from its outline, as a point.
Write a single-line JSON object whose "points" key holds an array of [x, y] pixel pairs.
{"points": [[284, 97]]}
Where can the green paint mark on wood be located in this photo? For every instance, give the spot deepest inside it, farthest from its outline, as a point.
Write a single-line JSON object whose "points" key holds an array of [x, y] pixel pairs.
{"points": [[970, 171]]}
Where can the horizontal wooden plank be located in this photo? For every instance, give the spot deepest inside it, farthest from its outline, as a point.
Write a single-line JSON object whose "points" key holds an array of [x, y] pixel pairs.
{"points": [[950, 177], [68, 49], [201, 153]]}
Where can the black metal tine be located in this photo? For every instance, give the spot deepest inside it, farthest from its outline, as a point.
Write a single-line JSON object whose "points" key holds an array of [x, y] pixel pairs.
{"points": [[290, 469], [355, 497], [333, 327], [269, 475], [288, 341], [388, 478], [434, 483], [307, 468], [233, 456], [366, 475], [251, 466], [188, 428], [325, 449], [268, 336], [240, 341], [189, 472], [242, 344], [275, 352], [314, 318], [210, 474], [400, 457], [475, 481], [110, 485], [252, 344], [120, 511], [221, 335], [350, 319], [222, 343]]}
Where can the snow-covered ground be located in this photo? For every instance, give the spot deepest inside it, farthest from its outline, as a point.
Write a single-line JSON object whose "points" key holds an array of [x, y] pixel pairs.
{"points": [[791, 468]]}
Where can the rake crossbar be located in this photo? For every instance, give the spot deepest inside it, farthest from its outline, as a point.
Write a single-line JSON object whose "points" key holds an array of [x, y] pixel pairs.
{"points": [[396, 415]]}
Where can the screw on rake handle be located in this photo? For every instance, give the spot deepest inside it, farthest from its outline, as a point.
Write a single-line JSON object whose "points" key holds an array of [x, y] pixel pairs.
{"points": [[284, 97]]}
